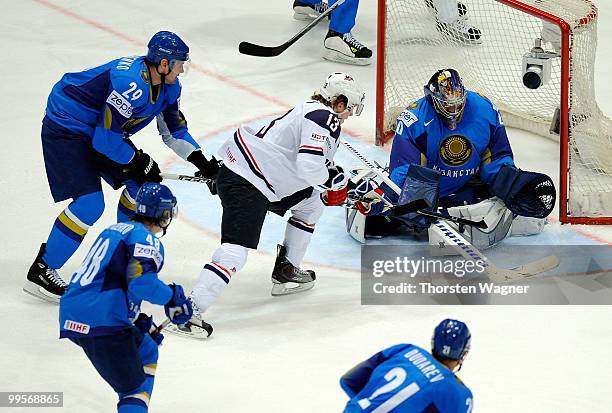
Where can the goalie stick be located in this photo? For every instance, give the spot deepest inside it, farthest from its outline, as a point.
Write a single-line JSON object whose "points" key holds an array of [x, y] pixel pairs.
{"points": [[252, 49], [455, 240]]}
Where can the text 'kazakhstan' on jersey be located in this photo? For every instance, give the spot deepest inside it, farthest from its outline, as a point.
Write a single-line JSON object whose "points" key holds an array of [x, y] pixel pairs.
{"points": [[110, 102], [404, 379], [119, 272], [289, 154], [477, 148]]}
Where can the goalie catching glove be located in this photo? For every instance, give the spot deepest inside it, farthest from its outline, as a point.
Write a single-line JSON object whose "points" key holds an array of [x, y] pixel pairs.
{"points": [[529, 194], [337, 187]]}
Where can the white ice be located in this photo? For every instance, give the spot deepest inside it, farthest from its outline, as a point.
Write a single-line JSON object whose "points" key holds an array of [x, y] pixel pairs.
{"points": [[268, 354]]}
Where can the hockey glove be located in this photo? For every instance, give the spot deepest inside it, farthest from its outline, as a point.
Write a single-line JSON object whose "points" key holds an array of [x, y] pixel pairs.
{"points": [[206, 169], [370, 198], [178, 309], [145, 324], [529, 194], [337, 185], [142, 168]]}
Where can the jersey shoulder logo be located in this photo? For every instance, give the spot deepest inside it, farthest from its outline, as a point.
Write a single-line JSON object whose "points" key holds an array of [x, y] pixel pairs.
{"points": [[407, 117], [123, 105], [148, 251], [455, 150]]}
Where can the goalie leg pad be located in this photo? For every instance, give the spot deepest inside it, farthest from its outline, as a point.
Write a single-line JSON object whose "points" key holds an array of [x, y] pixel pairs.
{"points": [[495, 214]]}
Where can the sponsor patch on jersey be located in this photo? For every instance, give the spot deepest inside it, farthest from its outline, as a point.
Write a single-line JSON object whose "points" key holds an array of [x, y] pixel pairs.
{"points": [[407, 118], [455, 150], [317, 137], [123, 106], [76, 326], [148, 251], [412, 105], [230, 155]]}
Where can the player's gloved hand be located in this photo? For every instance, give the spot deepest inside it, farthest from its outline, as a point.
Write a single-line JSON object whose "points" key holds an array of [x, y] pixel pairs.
{"points": [[376, 207], [178, 309], [337, 185], [145, 324], [206, 168], [142, 168]]}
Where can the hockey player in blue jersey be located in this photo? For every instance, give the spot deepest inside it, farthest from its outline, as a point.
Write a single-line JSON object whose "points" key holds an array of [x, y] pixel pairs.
{"points": [[451, 148], [340, 45], [85, 137], [407, 379], [100, 308]]}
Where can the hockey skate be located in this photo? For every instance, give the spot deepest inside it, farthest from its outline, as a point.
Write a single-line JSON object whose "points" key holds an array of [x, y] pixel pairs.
{"points": [[304, 11], [288, 279], [44, 282], [194, 328], [459, 30], [344, 48]]}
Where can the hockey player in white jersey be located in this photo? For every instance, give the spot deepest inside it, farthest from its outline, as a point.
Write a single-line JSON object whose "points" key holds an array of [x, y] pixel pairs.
{"points": [[278, 168]]}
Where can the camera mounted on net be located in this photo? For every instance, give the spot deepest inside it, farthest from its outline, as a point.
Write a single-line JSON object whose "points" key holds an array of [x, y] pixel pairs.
{"points": [[537, 66]]}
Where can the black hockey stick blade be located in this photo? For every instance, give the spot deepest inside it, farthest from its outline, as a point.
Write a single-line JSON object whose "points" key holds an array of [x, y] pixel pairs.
{"points": [[478, 224], [252, 49], [413, 206]]}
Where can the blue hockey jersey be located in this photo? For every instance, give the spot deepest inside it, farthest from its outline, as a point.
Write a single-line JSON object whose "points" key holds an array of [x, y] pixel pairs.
{"points": [[107, 103], [404, 379], [477, 148], [119, 271]]}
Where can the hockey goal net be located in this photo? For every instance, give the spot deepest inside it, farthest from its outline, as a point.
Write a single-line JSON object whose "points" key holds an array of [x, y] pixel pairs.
{"points": [[412, 46]]}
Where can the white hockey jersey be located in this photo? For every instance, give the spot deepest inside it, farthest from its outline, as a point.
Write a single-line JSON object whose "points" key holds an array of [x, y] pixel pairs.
{"points": [[289, 154]]}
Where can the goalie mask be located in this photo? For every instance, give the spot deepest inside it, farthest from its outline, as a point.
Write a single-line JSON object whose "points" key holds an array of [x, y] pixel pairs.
{"points": [[340, 84], [447, 93]]}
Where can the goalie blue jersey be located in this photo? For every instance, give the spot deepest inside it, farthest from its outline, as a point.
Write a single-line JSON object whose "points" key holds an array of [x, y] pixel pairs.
{"points": [[404, 379], [476, 149], [109, 102], [120, 270]]}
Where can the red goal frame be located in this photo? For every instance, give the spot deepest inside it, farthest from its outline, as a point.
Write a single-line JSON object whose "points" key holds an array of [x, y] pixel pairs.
{"points": [[565, 105]]}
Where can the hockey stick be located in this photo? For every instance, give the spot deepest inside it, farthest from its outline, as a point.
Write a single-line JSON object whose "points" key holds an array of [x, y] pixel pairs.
{"points": [[252, 49], [454, 239], [398, 210], [188, 178]]}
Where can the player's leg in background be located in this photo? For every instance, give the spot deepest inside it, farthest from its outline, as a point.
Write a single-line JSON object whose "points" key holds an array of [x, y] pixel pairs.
{"points": [[126, 207], [71, 173], [308, 9], [452, 21], [244, 211], [287, 277], [339, 43]]}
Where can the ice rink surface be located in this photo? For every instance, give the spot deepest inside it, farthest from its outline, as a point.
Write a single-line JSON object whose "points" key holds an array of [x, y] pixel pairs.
{"points": [[268, 354]]}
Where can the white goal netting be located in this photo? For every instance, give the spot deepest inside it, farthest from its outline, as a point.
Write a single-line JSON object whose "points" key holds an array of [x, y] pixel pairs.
{"points": [[415, 46]]}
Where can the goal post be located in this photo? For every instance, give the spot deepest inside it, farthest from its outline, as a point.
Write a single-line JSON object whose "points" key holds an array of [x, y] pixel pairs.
{"points": [[411, 47]]}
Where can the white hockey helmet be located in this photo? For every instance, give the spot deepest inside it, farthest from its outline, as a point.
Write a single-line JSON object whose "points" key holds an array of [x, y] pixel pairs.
{"points": [[339, 83]]}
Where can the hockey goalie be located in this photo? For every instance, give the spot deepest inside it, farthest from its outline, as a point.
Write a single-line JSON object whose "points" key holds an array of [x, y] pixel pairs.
{"points": [[451, 149]]}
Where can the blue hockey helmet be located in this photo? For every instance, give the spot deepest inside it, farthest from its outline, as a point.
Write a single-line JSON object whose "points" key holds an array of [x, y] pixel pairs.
{"points": [[156, 202], [451, 339], [448, 95], [167, 45]]}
